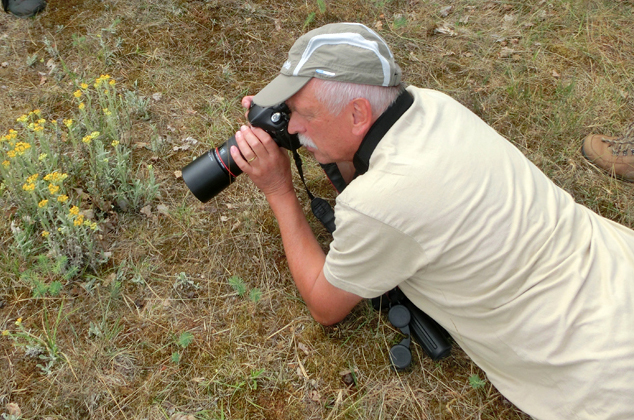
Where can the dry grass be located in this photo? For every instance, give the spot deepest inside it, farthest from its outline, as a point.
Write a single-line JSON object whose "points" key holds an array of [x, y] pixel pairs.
{"points": [[543, 73]]}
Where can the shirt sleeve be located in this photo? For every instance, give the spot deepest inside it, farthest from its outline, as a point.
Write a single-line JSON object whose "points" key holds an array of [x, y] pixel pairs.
{"points": [[368, 257]]}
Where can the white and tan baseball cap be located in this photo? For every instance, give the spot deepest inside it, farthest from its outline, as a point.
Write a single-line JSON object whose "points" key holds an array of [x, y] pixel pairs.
{"points": [[344, 52]]}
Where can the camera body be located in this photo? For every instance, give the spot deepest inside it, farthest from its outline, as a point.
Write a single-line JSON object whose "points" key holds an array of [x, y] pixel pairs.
{"points": [[215, 170]]}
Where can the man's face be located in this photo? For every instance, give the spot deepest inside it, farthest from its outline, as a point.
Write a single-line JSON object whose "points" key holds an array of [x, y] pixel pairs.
{"points": [[330, 135]]}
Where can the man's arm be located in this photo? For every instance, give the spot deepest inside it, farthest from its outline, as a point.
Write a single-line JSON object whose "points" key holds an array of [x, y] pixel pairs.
{"points": [[268, 167]]}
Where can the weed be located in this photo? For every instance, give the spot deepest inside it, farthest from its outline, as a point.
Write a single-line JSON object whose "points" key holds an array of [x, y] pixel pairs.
{"points": [[43, 346], [46, 275], [183, 341], [476, 382], [238, 285]]}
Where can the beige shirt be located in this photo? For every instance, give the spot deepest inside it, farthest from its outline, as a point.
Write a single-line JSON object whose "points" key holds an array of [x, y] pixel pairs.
{"points": [[537, 289]]}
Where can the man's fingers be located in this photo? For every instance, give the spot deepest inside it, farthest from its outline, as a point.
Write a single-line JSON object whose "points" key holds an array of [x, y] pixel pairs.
{"points": [[254, 141], [248, 154]]}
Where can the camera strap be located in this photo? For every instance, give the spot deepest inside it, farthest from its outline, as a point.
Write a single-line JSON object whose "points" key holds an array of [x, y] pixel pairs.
{"points": [[320, 207], [380, 127]]}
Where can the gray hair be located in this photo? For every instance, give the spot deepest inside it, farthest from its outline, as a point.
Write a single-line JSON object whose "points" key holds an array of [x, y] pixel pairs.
{"points": [[336, 95]]}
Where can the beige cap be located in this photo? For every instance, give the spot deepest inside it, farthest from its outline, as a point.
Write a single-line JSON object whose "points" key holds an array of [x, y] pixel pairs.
{"points": [[344, 52]]}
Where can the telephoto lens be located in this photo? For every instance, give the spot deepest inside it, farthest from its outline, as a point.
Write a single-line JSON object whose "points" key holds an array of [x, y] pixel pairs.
{"points": [[215, 170], [212, 172]]}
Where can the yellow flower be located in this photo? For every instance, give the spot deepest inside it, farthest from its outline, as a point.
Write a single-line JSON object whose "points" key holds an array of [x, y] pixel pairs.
{"points": [[94, 134], [68, 122], [62, 198], [18, 322], [21, 147], [79, 220], [53, 188], [107, 112], [74, 210], [5, 332], [115, 143], [32, 178], [54, 122], [38, 128], [42, 203], [6, 163], [112, 82], [41, 121], [86, 139], [84, 86], [77, 93], [93, 226], [11, 153], [28, 187], [22, 119], [55, 177], [45, 233], [37, 112], [82, 106], [42, 156]]}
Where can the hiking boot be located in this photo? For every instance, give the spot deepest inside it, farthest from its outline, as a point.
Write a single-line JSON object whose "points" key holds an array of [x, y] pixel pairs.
{"points": [[612, 154]]}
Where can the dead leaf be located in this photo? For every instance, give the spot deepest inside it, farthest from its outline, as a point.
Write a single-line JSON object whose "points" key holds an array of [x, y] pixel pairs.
{"points": [[147, 210], [303, 348], [43, 79], [190, 140], [14, 409], [181, 416], [444, 12], [4, 64], [223, 218], [157, 96], [178, 174], [183, 147], [278, 25], [555, 74], [163, 209], [378, 25], [110, 279], [315, 396], [506, 52], [444, 30], [50, 64], [465, 19], [140, 144]]}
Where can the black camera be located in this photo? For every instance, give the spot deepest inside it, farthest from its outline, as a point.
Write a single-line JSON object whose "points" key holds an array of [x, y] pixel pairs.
{"points": [[214, 171]]}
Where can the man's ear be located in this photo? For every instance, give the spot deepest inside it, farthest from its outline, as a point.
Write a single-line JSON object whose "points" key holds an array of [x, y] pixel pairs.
{"points": [[361, 116]]}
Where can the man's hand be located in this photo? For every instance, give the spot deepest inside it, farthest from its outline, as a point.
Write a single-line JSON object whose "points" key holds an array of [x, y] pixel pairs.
{"points": [[263, 161]]}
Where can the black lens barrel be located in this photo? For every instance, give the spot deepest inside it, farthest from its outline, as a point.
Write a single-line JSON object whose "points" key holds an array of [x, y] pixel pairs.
{"points": [[211, 172]]}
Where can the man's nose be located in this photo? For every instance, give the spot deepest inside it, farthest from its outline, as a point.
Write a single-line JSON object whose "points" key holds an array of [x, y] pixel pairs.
{"points": [[293, 126]]}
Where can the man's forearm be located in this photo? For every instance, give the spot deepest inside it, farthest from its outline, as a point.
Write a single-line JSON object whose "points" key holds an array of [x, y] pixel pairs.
{"points": [[303, 252]]}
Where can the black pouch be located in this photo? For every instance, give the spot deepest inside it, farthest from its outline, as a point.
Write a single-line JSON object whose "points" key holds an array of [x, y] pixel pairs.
{"points": [[24, 8]]}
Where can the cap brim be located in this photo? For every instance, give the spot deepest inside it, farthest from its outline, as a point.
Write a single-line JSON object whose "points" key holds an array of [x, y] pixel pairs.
{"points": [[280, 89]]}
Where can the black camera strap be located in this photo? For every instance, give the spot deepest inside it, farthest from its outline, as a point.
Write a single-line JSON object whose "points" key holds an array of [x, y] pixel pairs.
{"points": [[320, 207], [380, 127]]}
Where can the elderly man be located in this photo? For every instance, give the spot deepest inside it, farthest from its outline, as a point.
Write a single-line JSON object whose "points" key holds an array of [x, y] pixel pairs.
{"points": [[536, 289]]}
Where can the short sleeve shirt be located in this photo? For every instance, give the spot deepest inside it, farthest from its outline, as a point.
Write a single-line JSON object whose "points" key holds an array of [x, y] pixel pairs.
{"points": [[536, 288]]}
